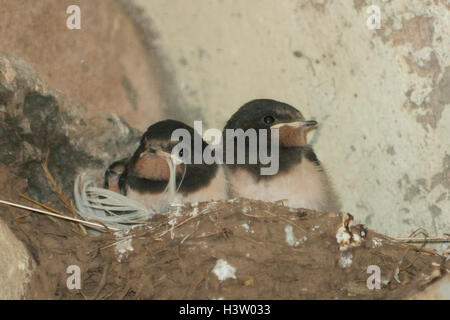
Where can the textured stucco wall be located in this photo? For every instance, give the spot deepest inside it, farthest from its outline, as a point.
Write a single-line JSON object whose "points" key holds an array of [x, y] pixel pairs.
{"points": [[382, 96]]}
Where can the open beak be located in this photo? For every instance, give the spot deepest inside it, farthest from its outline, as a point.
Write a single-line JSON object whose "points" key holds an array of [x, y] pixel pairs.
{"points": [[303, 125]]}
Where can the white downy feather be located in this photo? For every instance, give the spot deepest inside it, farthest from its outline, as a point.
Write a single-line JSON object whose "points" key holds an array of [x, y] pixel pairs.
{"points": [[115, 210]]}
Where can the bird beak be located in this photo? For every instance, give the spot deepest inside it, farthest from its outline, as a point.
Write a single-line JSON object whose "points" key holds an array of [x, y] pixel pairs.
{"points": [[163, 154], [303, 125], [159, 152], [175, 159]]}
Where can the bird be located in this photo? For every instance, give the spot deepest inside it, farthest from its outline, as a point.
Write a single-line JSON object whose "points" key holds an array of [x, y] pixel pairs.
{"points": [[147, 172], [300, 181], [112, 174]]}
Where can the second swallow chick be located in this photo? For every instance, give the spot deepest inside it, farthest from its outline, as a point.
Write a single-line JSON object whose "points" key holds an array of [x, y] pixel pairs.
{"points": [[113, 174], [147, 173]]}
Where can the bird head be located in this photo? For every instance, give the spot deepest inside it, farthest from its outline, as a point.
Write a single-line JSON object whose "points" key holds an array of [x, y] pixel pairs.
{"points": [[270, 115], [158, 149]]}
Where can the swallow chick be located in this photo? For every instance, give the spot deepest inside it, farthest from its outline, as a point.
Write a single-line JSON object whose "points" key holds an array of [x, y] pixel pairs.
{"points": [[148, 173], [300, 178], [113, 173]]}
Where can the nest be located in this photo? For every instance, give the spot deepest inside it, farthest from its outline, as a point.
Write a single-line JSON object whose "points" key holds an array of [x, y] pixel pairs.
{"points": [[235, 249]]}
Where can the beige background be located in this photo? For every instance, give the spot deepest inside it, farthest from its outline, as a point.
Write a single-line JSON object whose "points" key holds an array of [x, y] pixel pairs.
{"points": [[382, 96]]}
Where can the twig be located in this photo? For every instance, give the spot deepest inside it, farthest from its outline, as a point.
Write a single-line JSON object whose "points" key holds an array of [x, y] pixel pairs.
{"points": [[19, 225], [24, 196], [117, 242], [412, 237], [419, 230], [87, 223], [250, 240], [258, 217], [285, 220], [67, 203], [415, 247], [182, 223], [420, 240]]}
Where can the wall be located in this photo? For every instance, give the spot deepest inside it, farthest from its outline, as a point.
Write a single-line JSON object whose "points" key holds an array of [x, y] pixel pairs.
{"points": [[382, 96], [104, 65]]}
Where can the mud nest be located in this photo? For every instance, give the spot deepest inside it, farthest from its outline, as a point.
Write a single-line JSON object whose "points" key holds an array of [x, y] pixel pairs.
{"points": [[271, 251]]}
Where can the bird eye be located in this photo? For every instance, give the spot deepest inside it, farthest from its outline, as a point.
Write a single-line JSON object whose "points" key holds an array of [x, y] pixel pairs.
{"points": [[268, 119], [181, 153]]}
